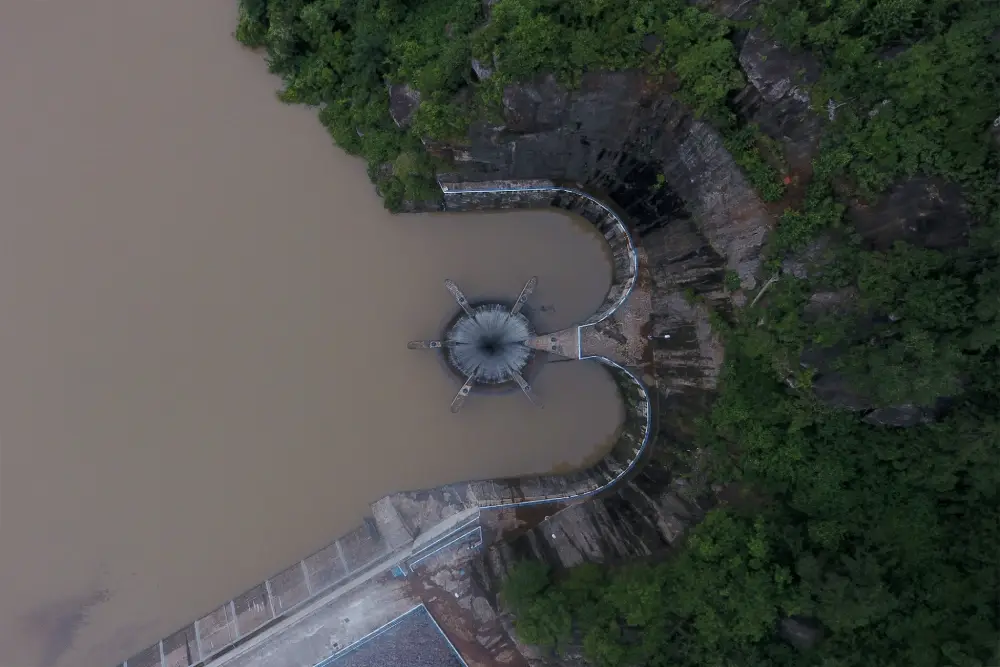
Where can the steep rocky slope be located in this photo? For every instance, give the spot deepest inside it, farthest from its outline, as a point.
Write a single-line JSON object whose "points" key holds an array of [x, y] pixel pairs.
{"points": [[699, 223]]}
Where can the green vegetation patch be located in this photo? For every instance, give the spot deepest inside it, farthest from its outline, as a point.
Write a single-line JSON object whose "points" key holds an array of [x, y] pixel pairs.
{"points": [[912, 88], [748, 146]]}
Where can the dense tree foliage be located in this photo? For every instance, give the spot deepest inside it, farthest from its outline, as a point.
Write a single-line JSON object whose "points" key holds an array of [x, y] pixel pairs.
{"points": [[889, 538], [756, 154]]}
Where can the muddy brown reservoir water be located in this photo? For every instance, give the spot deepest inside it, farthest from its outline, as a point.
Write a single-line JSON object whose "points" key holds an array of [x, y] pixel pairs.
{"points": [[204, 312]]}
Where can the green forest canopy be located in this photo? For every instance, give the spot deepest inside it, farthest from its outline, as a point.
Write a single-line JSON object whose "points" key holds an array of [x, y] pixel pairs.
{"points": [[888, 538]]}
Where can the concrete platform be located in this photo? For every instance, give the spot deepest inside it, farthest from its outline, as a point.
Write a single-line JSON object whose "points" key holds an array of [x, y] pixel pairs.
{"points": [[565, 343]]}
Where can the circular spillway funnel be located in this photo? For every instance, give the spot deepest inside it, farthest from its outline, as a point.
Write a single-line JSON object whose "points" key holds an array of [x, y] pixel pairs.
{"points": [[488, 343]]}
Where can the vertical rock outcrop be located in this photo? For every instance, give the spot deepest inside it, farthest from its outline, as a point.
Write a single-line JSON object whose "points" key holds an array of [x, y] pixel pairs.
{"points": [[925, 211], [777, 97]]}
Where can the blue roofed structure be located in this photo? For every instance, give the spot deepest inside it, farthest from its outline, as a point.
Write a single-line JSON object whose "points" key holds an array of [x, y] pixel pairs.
{"points": [[411, 640]]}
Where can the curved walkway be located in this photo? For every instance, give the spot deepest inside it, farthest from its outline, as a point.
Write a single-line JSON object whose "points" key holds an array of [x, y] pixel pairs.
{"points": [[636, 432]]}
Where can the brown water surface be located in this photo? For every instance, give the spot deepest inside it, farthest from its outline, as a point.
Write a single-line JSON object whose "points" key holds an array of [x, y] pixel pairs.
{"points": [[204, 312]]}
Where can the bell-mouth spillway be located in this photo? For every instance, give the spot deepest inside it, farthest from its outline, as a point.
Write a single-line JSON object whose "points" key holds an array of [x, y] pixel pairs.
{"points": [[487, 344]]}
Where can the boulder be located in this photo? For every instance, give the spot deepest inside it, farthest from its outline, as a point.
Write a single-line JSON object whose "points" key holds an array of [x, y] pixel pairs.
{"points": [[925, 211], [403, 103], [802, 633], [483, 72], [901, 416], [781, 79], [809, 261], [774, 71]]}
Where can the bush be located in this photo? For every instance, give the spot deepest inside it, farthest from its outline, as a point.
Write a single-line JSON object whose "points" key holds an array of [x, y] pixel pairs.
{"points": [[745, 145]]}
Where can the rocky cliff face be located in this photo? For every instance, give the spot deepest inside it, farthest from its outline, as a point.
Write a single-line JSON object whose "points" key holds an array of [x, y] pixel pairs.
{"points": [[776, 99], [624, 137]]}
